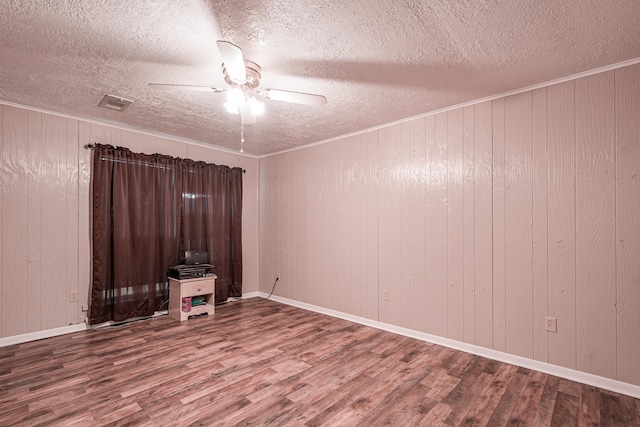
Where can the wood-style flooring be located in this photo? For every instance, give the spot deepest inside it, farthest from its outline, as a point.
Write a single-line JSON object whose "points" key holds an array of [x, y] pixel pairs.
{"points": [[258, 362]]}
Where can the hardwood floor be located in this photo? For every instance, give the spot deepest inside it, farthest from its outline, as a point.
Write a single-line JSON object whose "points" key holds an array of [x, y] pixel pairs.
{"points": [[259, 362]]}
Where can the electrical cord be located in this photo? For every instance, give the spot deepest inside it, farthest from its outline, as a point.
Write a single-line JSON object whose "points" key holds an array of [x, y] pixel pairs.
{"points": [[125, 322], [274, 287], [113, 325]]}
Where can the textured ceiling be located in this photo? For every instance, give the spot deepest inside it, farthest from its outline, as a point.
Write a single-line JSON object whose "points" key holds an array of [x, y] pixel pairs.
{"points": [[376, 61]]}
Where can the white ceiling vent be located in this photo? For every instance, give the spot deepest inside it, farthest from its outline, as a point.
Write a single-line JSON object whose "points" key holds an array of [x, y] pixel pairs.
{"points": [[113, 102]]}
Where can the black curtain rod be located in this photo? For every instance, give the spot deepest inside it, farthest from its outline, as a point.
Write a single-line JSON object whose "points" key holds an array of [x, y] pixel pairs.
{"points": [[90, 147]]}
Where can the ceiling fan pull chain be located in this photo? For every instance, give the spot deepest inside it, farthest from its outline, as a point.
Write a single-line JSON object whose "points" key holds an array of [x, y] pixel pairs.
{"points": [[243, 77], [241, 136]]}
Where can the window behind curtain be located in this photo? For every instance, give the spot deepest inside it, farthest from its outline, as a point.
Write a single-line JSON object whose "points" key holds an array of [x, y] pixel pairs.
{"points": [[147, 210], [212, 221]]}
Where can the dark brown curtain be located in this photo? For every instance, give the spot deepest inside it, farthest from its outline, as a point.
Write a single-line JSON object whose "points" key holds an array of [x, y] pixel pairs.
{"points": [[212, 221], [148, 209]]}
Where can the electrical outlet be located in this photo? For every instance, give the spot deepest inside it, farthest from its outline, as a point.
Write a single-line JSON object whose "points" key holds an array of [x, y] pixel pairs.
{"points": [[386, 294], [551, 324], [73, 296]]}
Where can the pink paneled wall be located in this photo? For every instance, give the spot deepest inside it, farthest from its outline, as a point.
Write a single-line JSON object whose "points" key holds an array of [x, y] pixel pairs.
{"points": [[479, 222], [40, 244], [44, 213]]}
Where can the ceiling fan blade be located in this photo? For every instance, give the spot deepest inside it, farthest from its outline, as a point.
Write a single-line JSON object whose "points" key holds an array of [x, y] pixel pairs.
{"points": [[248, 118], [233, 61], [163, 86], [295, 97]]}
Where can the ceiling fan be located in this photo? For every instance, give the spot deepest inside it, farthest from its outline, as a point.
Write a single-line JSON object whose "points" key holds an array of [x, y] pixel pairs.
{"points": [[243, 77]]}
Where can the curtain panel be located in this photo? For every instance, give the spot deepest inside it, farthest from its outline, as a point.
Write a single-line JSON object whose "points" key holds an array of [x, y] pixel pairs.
{"points": [[147, 210]]}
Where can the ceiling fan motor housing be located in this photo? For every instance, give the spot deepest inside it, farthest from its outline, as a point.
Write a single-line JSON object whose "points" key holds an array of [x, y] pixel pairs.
{"points": [[253, 74]]}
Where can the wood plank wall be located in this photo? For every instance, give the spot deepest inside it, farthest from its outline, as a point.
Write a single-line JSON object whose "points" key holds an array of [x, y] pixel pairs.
{"points": [[479, 222], [45, 251]]}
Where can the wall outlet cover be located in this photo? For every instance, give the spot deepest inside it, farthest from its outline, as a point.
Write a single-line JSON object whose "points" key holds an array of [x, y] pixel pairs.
{"points": [[551, 324]]}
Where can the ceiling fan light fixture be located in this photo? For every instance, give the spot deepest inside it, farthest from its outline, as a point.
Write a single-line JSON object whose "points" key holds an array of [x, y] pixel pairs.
{"points": [[243, 77], [231, 108], [257, 107], [236, 97]]}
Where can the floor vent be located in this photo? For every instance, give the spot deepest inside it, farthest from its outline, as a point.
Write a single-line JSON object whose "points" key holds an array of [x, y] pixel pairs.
{"points": [[113, 102]]}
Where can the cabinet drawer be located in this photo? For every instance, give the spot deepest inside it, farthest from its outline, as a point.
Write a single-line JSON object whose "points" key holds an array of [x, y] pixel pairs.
{"points": [[198, 287]]}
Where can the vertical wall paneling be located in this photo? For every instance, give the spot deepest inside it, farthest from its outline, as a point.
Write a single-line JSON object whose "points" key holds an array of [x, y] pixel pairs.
{"points": [[562, 222], [356, 198], [285, 283], [152, 144], [299, 226], [54, 221], [290, 178], [595, 225], [272, 249], [287, 245], [71, 216], [518, 220], [499, 267], [103, 134], [469, 234], [268, 260], [595, 245], [84, 213], [407, 279], [132, 141], [347, 174], [334, 214], [294, 242], [455, 228], [413, 220], [339, 220], [310, 199], [268, 263], [287, 286], [390, 200], [372, 290], [45, 250], [539, 226], [436, 225], [265, 240], [15, 144], [483, 269], [34, 217], [627, 106], [2, 107], [273, 173]]}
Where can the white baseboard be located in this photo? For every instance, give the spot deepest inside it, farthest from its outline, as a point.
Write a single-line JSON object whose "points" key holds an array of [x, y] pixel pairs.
{"points": [[547, 368], [252, 295], [33, 336]]}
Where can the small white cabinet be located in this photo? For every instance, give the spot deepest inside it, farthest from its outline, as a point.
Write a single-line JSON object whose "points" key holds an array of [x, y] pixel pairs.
{"points": [[179, 289]]}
